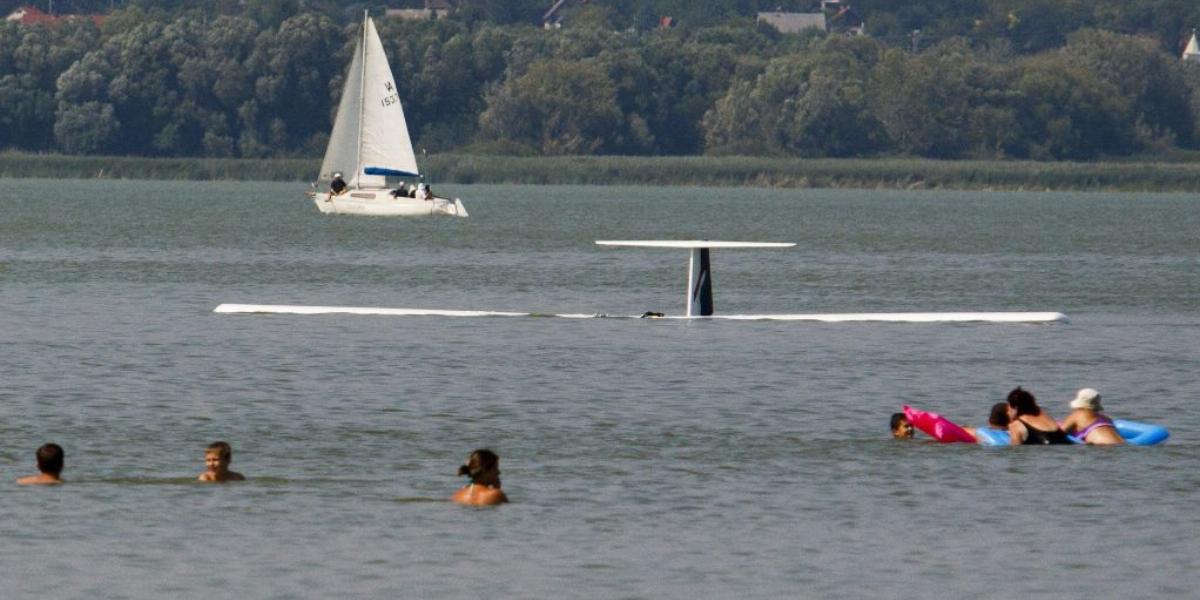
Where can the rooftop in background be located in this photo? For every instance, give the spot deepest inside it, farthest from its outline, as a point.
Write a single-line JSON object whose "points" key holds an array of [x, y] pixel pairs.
{"points": [[434, 9], [787, 22], [834, 17], [29, 15]]}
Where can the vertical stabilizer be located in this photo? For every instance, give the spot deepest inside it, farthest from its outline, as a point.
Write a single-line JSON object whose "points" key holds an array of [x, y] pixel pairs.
{"points": [[700, 296], [699, 291]]}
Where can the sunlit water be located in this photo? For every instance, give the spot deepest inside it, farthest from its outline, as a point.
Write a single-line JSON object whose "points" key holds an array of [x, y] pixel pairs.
{"points": [[645, 459]]}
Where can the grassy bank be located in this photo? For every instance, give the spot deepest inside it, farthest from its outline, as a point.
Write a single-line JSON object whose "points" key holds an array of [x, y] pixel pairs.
{"points": [[1157, 176]]}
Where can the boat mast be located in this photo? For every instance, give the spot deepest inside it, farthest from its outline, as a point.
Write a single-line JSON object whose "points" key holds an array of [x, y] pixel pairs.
{"points": [[362, 99]]}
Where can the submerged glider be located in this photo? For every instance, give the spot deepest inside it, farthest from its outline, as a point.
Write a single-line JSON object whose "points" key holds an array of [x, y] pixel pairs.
{"points": [[698, 303]]}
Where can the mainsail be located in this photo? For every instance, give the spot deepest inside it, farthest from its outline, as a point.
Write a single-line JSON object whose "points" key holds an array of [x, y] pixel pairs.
{"points": [[370, 136]]}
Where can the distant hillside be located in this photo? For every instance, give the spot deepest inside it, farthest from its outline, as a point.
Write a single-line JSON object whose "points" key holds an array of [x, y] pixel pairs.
{"points": [[969, 79]]}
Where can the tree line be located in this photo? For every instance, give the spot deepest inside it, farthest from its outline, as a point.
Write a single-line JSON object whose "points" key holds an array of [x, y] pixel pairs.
{"points": [[261, 79]]}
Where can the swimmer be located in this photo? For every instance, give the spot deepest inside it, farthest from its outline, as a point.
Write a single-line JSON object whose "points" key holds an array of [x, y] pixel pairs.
{"points": [[1029, 424], [1087, 423], [902, 429], [49, 464], [997, 420], [217, 457], [483, 467]]}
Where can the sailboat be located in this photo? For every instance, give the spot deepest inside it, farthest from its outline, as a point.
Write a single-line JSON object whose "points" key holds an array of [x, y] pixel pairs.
{"points": [[1192, 51], [370, 142]]}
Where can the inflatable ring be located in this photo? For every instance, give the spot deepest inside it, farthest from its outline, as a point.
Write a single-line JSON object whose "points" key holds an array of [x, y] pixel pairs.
{"points": [[1136, 433], [937, 427], [992, 437]]}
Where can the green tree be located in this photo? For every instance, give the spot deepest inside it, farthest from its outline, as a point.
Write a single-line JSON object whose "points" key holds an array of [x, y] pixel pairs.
{"points": [[294, 76], [923, 102], [556, 107], [31, 61], [811, 103], [86, 128], [1151, 79], [1065, 111]]}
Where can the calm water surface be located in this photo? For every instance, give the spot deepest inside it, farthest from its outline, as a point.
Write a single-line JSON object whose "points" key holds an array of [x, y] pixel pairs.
{"points": [[645, 459]]}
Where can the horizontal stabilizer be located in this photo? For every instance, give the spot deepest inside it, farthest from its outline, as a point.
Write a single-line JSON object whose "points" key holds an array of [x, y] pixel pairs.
{"points": [[693, 244]]}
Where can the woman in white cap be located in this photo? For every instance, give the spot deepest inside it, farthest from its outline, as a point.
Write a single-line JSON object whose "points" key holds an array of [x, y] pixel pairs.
{"points": [[1087, 423]]}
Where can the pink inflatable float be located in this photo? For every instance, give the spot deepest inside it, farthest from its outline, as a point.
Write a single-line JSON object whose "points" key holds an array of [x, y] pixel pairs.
{"points": [[937, 427]]}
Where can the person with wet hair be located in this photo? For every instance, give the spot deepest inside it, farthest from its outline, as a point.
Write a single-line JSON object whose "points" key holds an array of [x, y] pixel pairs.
{"points": [[997, 421], [1028, 424], [902, 429], [49, 464], [998, 418], [483, 467], [217, 457]]}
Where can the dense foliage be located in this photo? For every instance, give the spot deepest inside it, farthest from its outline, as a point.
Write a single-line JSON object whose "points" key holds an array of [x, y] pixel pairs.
{"points": [[1039, 79]]}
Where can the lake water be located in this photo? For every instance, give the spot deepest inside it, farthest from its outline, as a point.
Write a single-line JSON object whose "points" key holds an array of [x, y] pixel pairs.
{"points": [[644, 458]]}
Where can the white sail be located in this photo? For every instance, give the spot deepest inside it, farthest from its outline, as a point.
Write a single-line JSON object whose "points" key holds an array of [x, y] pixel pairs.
{"points": [[1192, 52], [386, 148], [370, 136], [341, 155], [370, 142]]}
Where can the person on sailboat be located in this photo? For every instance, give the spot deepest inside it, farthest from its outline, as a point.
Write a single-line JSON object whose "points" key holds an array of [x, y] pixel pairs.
{"points": [[338, 186], [422, 192], [400, 192]]}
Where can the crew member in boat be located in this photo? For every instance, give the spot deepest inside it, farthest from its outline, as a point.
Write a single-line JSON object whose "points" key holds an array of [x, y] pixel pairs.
{"points": [[422, 192], [337, 187], [400, 192]]}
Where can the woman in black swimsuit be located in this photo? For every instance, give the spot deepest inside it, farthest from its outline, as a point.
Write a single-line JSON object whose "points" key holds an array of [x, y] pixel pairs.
{"points": [[1029, 425]]}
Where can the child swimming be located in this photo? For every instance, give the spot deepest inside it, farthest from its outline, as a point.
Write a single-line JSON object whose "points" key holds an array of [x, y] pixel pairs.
{"points": [[902, 429], [217, 457]]}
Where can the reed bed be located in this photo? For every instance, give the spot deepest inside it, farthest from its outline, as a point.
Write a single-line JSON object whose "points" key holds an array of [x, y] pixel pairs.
{"points": [[893, 173]]}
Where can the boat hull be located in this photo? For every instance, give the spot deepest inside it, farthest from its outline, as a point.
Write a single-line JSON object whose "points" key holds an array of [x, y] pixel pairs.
{"points": [[380, 203]]}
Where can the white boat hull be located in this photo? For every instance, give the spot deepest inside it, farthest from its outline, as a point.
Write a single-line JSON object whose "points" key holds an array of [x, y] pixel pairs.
{"points": [[380, 203]]}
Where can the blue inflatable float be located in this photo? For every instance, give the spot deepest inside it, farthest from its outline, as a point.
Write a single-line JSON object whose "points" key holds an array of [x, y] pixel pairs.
{"points": [[1135, 433]]}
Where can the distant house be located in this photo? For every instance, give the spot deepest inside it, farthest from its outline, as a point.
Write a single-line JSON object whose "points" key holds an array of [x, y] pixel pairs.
{"points": [[30, 15], [789, 22], [434, 9], [1192, 52], [834, 17], [846, 20]]}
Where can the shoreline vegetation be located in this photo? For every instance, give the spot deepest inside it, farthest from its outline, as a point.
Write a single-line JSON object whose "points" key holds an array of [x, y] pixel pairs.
{"points": [[1151, 175]]}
